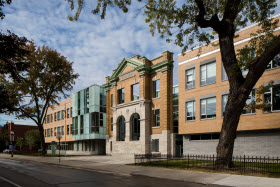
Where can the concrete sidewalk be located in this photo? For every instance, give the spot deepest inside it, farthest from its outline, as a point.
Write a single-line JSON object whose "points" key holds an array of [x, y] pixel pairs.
{"points": [[109, 164]]}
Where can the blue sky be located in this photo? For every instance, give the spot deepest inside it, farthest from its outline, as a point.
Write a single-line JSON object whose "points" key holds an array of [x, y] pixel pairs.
{"points": [[95, 46]]}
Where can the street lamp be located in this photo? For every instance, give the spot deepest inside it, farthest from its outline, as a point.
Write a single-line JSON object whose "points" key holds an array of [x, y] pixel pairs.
{"points": [[12, 137], [59, 138]]}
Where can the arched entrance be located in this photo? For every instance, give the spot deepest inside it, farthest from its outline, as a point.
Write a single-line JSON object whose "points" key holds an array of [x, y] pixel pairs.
{"points": [[135, 126]]}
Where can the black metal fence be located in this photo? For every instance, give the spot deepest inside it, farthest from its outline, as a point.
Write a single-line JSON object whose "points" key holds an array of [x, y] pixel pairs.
{"points": [[242, 164]]}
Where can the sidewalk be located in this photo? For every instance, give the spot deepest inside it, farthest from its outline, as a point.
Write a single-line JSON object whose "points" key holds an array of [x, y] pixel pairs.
{"points": [[112, 165]]}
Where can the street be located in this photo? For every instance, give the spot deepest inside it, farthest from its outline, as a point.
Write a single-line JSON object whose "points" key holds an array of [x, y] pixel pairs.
{"points": [[29, 174]]}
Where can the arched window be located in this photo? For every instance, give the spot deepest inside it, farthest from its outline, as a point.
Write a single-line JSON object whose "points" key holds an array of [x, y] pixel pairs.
{"points": [[135, 126], [121, 129]]}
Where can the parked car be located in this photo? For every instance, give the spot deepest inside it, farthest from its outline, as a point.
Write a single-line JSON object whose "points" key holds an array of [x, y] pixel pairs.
{"points": [[7, 151]]}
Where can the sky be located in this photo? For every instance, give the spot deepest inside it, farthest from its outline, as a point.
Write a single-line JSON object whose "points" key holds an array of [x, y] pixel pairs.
{"points": [[95, 46]]}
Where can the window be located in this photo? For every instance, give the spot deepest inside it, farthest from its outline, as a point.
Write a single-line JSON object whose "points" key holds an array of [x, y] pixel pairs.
{"points": [[156, 118], [94, 122], [111, 146], [134, 92], [51, 131], [121, 96], [112, 124], [51, 118], [208, 74], [102, 103], [68, 113], [112, 100], [272, 98], [71, 112], [208, 108], [274, 63], [190, 78], [55, 116], [86, 146], [135, 124], [86, 97], [72, 129], [58, 116], [121, 129], [224, 103], [48, 118], [82, 124], [62, 131], [79, 102], [214, 136], [68, 129], [224, 74], [155, 145], [190, 111], [63, 113], [251, 100], [156, 89], [59, 130], [78, 146], [48, 132], [55, 131], [75, 126], [101, 119]]}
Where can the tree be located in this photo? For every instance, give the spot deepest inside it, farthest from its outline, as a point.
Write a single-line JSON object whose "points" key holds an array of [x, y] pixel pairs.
{"points": [[12, 63], [32, 138], [199, 22], [49, 77], [13, 50], [4, 137], [20, 142]]}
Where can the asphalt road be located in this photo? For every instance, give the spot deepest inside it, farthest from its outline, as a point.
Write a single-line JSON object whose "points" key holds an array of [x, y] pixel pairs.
{"points": [[21, 173]]}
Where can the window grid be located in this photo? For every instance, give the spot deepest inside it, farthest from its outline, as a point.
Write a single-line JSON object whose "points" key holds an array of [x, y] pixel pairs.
{"points": [[190, 78], [190, 111]]}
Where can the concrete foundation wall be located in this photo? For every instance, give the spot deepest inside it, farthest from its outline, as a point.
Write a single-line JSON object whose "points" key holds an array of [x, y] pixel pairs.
{"points": [[249, 143]]}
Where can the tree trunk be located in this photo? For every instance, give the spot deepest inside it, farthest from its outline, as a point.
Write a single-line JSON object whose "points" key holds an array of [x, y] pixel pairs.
{"points": [[42, 137], [236, 100], [234, 108]]}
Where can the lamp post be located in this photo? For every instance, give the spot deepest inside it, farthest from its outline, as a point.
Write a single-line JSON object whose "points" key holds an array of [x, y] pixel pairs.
{"points": [[59, 138], [12, 134]]}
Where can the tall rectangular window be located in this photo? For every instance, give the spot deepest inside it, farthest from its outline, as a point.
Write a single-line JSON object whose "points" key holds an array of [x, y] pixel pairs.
{"points": [[121, 95], [156, 89], [82, 124], [59, 130], [224, 74], [63, 113], [274, 63], [72, 129], [112, 100], [62, 130], [71, 112], [155, 145], [48, 118], [111, 124], [208, 74], [224, 103], [55, 131], [190, 78], [190, 110], [68, 129], [101, 119], [94, 122], [208, 108], [58, 115], [156, 118], [102, 102], [272, 99], [55, 116], [51, 131], [68, 113], [51, 118], [86, 98], [135, 92], [251, 100], [79, 103]]}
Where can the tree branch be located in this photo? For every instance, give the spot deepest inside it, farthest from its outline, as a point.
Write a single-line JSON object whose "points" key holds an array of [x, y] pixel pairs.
{"points": [[259, 64], [214, 22], [231, 10]]}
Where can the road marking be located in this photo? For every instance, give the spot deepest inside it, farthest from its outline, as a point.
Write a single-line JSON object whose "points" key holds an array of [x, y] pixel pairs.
{"points": [[10, 182]]}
